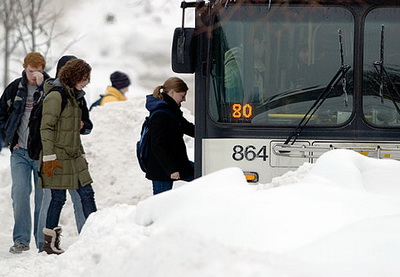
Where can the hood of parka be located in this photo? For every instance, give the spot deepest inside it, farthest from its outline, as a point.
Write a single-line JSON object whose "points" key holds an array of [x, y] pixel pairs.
{"points": [[50, 84], [53, 83]]}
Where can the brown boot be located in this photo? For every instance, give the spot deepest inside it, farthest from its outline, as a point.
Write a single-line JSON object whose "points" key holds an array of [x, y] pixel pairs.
{"points": [[52, 241]]}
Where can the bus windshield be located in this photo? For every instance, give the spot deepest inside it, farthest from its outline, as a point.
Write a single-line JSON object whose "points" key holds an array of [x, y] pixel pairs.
{"points": [[382, 68], [269, 67]]}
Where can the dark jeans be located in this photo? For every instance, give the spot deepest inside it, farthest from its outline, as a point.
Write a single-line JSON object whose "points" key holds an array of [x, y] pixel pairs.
{"points": [[58, 198], [161, 186]]}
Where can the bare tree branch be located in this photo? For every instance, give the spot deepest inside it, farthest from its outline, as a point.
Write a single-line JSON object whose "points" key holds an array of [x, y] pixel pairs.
{"points": [[29, 27], [8, 21]]}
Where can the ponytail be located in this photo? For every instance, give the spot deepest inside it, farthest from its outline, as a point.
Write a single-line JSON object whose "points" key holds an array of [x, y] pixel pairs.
{"points": [[173, 83], [157, 92]]}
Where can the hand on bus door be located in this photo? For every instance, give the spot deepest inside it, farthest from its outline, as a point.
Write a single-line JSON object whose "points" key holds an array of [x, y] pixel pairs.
{"points": [[175, 176]]}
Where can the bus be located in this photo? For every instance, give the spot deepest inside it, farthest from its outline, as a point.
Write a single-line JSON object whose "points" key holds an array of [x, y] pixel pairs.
{"points": [[279, 83]]}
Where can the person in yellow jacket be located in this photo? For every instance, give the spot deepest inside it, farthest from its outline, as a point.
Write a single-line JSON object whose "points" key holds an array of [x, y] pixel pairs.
{"points": [[119, 86]]}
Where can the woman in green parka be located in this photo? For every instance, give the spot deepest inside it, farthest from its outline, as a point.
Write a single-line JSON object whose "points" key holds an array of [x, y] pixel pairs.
{"points": [[63, 164]]}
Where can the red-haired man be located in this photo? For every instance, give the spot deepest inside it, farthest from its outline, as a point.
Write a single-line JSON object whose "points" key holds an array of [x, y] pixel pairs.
{"points": [[16, 104]]}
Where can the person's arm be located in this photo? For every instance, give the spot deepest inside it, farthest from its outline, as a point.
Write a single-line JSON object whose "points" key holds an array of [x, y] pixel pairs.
{"points": [[3, 111], [50, 116], [87, 123], [6, 101], [188, 128]]}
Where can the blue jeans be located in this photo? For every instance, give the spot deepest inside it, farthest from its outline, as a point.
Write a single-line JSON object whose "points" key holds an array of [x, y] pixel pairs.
{"points": [[78, 211], [58, 198], [22, 168], [161, 186]]}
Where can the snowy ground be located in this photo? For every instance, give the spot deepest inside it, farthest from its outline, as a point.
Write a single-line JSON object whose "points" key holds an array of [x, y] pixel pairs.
{"points": [[339, 217]]}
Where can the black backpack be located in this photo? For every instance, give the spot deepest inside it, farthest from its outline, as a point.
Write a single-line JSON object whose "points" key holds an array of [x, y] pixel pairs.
{"points": [[143, 147], [35, 120]]}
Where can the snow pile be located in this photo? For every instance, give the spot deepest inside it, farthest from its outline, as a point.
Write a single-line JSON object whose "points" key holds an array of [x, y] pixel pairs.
{"points": [[341, 213]]}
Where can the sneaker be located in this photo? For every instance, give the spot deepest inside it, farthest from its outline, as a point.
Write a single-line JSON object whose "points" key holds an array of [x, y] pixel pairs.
{"points": [[17, 248]]}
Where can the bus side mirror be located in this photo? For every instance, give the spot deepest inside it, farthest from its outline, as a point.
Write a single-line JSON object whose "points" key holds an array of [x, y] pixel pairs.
{"points": [[183, 51]]}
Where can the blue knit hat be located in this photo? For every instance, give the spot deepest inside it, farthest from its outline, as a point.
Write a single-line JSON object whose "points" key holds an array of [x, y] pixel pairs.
{"points": [[119, 80]]}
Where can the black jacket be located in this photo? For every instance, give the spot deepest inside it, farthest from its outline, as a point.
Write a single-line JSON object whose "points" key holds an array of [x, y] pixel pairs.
{"points": [[12, 106], [87, 123], [168, 150]]}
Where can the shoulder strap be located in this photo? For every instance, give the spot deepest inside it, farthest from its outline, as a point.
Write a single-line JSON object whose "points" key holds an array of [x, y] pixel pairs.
{"points": [[97, 102], [64, 96]]}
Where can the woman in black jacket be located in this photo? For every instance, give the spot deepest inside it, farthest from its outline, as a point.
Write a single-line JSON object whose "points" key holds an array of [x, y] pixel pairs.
{"points": [[168, 160]]}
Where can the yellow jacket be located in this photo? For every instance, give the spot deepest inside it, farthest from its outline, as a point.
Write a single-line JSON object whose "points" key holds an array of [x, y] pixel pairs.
{"points": [[112, 94]]}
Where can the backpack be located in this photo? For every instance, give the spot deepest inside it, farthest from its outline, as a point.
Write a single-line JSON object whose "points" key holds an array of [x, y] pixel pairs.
{"points": [[143, 147], [35, 120], [98, 101]]}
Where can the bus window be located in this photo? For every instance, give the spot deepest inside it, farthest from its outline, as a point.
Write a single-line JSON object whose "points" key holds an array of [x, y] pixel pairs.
{"points": [[269, 68], [233, 64], [381, 98]]}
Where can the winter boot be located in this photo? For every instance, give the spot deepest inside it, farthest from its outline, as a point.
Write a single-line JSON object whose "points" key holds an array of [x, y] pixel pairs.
{"points": [[52, 241]]}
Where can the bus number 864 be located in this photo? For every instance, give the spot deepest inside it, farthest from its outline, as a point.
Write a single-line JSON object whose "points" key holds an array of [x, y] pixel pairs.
{"points": [[249, 153]]}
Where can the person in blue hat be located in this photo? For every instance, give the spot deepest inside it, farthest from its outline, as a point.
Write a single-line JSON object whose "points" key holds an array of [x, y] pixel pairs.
{"points": [[120, 83]]}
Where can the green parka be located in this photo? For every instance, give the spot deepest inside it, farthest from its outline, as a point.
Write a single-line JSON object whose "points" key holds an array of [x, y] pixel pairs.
{"points": [[61, 139]]}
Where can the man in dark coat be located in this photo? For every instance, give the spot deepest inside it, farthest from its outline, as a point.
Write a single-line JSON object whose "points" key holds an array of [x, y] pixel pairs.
{"points": [[16, 105]]}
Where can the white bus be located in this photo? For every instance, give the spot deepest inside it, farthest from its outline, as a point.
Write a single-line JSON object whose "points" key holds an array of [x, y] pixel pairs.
{"points": [[278, 83]]}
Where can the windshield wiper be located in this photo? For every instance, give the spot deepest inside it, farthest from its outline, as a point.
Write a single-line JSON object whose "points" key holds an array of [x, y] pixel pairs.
{"points": [[379, 65], [381, 70], [339, 76], [343, 68]]}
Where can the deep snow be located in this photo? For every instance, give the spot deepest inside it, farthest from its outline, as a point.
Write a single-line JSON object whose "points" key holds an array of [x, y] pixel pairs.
{"points": [[338, 217]]}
